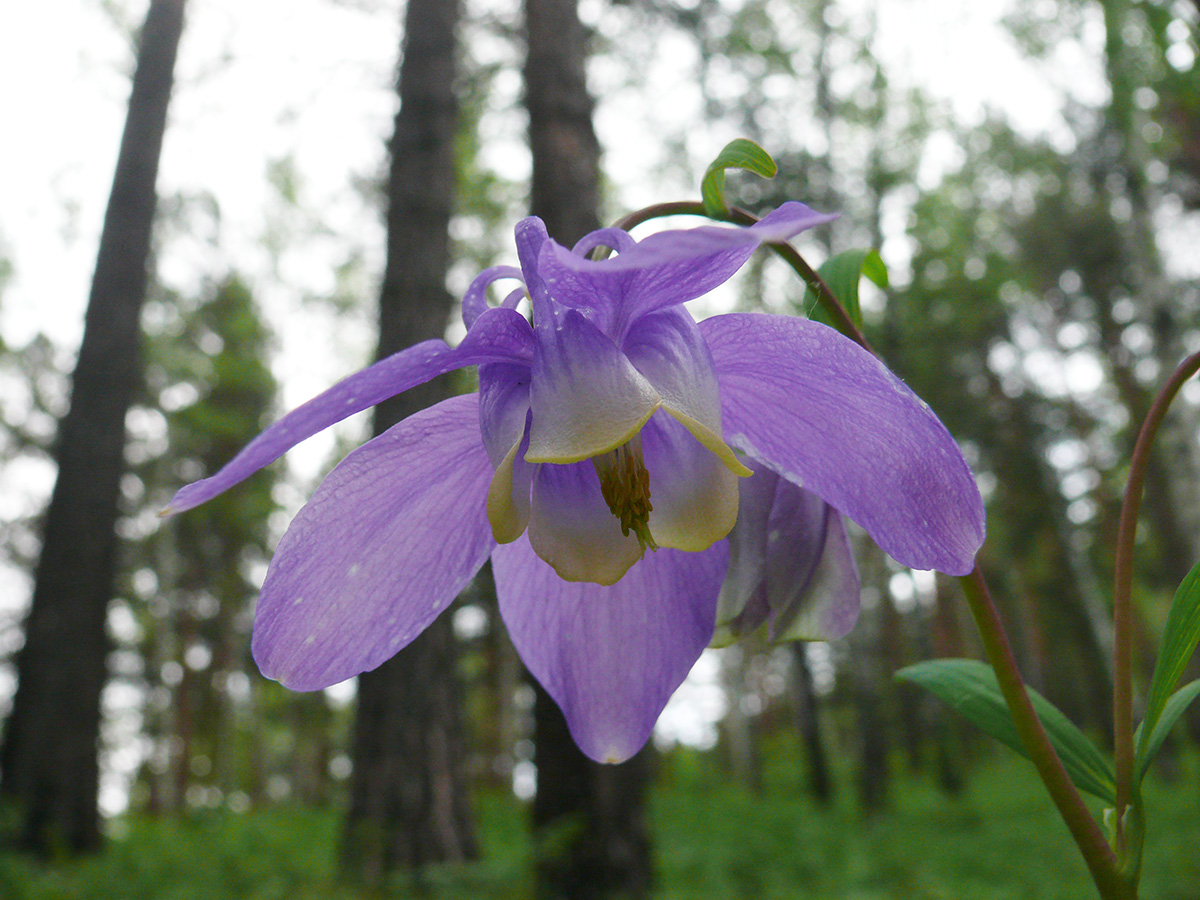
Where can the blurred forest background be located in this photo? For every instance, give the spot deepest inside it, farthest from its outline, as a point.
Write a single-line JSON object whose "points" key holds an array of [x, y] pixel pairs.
{"points": [[1044, 260]]}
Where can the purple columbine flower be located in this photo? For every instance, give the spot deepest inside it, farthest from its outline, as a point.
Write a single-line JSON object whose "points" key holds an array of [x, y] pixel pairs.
{"points": [[596, 467]]}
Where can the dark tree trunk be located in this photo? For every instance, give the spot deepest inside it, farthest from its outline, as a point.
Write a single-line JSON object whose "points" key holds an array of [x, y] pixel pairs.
{"points": [[409, 804], [866, 678], [49, 756], [589, 819], [566, 154], [820, 781]]}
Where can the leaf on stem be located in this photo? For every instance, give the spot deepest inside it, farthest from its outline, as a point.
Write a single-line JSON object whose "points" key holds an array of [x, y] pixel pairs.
{"points": [[842, 274], [1148, 747], [738, 154], [1179, 642], [970, 688]]}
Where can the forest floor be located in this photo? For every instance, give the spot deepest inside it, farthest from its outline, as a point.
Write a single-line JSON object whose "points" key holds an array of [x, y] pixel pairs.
{"points": [[998, 839]]}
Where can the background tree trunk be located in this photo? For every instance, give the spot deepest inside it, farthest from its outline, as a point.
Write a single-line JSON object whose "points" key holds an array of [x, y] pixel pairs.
{"points": [[820, 779], [49, 756], [409, 802], [588, 819]]}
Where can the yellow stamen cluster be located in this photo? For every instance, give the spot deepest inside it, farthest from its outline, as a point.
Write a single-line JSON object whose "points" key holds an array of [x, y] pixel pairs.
{"points": [[625, 484]]}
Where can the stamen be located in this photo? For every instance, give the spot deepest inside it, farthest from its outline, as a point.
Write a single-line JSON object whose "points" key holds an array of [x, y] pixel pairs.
{"points": [[625, 484]]}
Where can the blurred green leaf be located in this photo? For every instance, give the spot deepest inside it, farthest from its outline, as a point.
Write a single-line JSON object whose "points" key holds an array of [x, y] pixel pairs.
{"points": [[1148, 747], [738, 154], [970, 688], [842, 274], [1179, 642]]}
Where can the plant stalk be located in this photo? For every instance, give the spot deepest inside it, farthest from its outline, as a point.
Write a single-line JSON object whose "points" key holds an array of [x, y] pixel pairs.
{"points": [[1099, 857], [1123, 589], [1102, 863]]}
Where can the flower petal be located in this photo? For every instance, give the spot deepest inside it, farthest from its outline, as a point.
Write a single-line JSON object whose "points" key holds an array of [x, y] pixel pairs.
{"points": [[693, 494], [610, 656], [572, 529], [812, 596], [667, 268], [498, 335], [829, 417], [669, 350], [474, 301], [370, 560], [742, 605], [504, 425], [587, 398], [509, 500], [503, 406]]}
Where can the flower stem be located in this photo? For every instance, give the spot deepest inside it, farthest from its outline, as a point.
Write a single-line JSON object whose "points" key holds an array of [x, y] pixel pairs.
{"points": [[1122, 590], [1100, 859]]}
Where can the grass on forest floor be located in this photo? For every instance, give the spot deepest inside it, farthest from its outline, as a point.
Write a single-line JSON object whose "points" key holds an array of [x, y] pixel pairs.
{"points": [[999, 839]]}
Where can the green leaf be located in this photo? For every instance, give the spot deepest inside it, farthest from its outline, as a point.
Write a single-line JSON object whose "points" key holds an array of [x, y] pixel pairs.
{"points": [[1179, 642], [1148, 747], [842, 274], [738, 154], [970, 688], [876, 269]]}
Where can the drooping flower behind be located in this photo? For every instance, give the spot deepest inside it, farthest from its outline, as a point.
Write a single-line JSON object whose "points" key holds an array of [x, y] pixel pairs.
{"points": [[596, 467]]}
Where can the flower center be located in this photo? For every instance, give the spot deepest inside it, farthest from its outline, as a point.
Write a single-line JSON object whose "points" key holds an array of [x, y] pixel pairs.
{"points": [[625, 484]]}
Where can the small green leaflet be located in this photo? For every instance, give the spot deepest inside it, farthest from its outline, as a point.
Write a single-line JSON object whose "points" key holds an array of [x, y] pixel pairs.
{"points": [[1148, 747], [738, 154], [842, 274], [970, 688], [1179, 642]]}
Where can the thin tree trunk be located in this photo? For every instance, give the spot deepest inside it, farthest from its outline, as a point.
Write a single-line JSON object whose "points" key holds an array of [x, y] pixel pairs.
{"points": [[588, 819], [409, 803], [820, 780], [49, 756]]}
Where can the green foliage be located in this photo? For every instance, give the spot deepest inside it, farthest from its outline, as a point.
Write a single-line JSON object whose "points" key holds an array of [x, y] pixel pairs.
{"points": [[738, 154], [999, 840], [842, 274], [970, 688], [1172, 710], [1179, 643]]}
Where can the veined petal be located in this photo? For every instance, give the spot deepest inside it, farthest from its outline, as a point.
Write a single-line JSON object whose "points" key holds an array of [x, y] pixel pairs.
{"points": [[610, 656], [668, 349], [572, 529], [587, 398], [812, 597], [693, 494], [738, 612], [829, 417], [503, 406], [391, 536], [667, 268], [499, 335], [790, 562]]}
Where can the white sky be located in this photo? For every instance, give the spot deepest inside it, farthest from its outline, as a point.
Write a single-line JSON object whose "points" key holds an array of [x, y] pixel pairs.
{"points": [[259, 80]]}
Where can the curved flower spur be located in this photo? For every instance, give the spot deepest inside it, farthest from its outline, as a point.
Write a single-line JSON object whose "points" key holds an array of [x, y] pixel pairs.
{"points": [[596, 467]]}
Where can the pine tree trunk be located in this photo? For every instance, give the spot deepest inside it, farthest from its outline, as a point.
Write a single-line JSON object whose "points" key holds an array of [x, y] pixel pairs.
{"points": [[409, 804], [590, 834], [820, 780], [588, 819], [49, 756]]}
